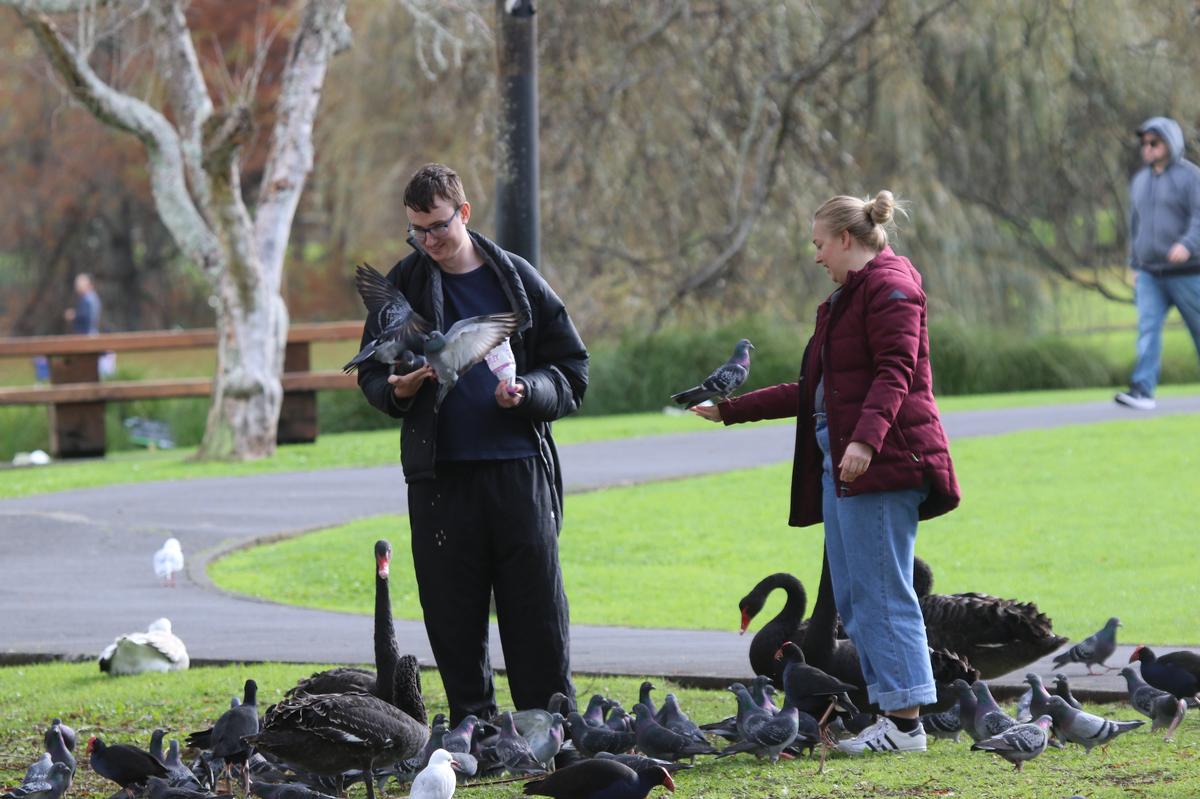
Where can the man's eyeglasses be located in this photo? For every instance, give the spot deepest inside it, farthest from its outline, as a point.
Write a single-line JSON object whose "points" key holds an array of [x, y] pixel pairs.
{"points": [[1151, 142], [437, 230]]}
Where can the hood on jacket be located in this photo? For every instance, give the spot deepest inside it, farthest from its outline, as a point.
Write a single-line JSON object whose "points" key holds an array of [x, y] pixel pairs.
{"points": [[1170, 132]]}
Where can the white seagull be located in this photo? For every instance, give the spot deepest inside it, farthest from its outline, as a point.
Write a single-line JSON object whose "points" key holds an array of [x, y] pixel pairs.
{"points": [[168, 560], [157, 649]]}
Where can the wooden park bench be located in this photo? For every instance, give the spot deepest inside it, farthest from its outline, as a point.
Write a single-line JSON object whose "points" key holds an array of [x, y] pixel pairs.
{"points": [[76, 396]]}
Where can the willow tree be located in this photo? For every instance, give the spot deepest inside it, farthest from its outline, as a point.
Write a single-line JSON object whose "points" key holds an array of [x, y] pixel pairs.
{"points": [[192, 147]]}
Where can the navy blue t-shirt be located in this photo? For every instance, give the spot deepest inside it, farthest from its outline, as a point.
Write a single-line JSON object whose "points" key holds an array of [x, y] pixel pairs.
{"points": [[471, 426]]}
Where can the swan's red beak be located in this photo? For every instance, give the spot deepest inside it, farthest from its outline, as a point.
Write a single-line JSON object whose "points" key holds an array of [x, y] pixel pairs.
{"points": [[745, 622], [382, 564]]}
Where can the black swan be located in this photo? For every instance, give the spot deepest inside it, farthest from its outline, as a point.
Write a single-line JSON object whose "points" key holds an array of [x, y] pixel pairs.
{"points": [[788, 624], [996, 636], [328, 734], [396, 680]]}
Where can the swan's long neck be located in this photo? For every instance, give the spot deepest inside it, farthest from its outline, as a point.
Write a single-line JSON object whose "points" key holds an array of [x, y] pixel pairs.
{"points": [[387, 651]]}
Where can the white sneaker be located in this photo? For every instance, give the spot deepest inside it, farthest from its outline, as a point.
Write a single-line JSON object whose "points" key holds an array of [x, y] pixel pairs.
{"points": [[1135, 399], [884, 736]]}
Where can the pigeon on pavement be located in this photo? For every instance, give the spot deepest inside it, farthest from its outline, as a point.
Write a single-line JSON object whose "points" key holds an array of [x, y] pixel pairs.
{"points": [[1093, 650], [400, 327], [1163, 709], [168, 561], [723, 381], [157, 649], [437, 780], [1018, 743], [1085, 729]]}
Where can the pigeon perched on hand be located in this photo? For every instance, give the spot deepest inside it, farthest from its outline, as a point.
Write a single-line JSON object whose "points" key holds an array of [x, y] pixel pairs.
{"points": [[400, 327], [724, 380], [1093, 650], [157, 649], [466, 343], [168, 561], [1018, 743]]}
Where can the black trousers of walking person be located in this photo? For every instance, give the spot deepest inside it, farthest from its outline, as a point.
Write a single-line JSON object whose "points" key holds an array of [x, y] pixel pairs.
{"points": [[484, 527]]}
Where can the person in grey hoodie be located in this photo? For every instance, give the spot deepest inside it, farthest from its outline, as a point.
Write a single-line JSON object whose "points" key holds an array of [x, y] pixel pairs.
{"points": [[1164, 250]]}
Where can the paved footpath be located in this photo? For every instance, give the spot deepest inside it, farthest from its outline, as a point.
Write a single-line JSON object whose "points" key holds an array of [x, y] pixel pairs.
{"points": [[75, 570]]}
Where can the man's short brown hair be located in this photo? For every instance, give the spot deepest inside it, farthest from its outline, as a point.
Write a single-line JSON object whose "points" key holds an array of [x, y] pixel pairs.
{"points": [[430, 183]]}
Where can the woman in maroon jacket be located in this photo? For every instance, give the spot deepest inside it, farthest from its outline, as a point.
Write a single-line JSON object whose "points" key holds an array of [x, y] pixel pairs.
{"points": [[871, 455]]}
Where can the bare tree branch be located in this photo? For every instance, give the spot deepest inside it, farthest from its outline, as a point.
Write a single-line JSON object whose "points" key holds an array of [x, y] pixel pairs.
{"points": [[175, 205]]}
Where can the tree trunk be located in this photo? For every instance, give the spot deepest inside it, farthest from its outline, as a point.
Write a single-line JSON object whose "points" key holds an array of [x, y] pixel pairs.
{"points": [[193, 161]]}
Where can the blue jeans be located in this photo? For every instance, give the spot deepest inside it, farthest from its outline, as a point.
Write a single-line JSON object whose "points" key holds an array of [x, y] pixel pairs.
{"points": [[1155, 294], [869, 540]]}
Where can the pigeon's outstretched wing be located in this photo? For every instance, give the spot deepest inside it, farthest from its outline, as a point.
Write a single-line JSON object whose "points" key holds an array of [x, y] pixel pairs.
{"points": [[464, 345], [723, 381], [401, 328]]}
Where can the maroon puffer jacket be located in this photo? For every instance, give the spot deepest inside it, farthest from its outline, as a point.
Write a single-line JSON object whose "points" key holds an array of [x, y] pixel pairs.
{"points": [[874, 344]]}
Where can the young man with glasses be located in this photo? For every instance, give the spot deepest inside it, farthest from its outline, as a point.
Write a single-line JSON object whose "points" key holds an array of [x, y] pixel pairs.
{"points": [[484, 485], [1164, 250]]}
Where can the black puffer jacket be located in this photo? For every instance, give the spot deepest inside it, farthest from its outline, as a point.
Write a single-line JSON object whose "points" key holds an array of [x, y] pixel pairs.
{"points": [[551, 359]]}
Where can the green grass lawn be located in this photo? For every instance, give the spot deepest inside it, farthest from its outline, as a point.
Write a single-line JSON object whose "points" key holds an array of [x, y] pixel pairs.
{"points": [[380, 448], [1088, 521], [127, 709]]}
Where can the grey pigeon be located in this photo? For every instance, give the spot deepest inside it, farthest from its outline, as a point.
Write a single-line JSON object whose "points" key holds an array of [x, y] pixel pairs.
{"points": [[1063, 688], [590, 741], [465, 344], [38, 770], [408, 362], [947, 724], [723, 381], [159, 788], [400, 327], [156, 746], [461, 737], [49, 784], [1019, 742], [1023, 714], [1085, 729], [1093, 650], [68, 735], [655, 740], [59, 750], [749, 714], [618, 719], [673, 718], [989, 720], [644, 697], [513, 751], [1161, 707], [545, 737], [770, 738], [1039, 697], [178, 775]]}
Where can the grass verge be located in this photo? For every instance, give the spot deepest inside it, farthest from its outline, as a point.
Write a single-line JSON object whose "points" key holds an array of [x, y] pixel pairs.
{"points": [[381, 448], [126, 710], [1088, 521]]}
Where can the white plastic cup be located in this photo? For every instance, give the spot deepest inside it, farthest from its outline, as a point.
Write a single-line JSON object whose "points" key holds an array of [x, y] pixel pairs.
{"points": [[503, 363]]}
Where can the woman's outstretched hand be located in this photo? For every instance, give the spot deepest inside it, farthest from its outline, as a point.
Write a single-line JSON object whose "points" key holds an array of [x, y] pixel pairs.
{"points": [[708, 412]]}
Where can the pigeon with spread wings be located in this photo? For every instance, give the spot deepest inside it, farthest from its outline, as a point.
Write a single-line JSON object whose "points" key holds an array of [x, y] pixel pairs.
{"points": [[465, 344], [401, 328]]}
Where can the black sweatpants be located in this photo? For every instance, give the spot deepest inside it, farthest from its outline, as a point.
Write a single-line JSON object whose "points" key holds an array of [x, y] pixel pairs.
{"points": [[481, 527]]}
